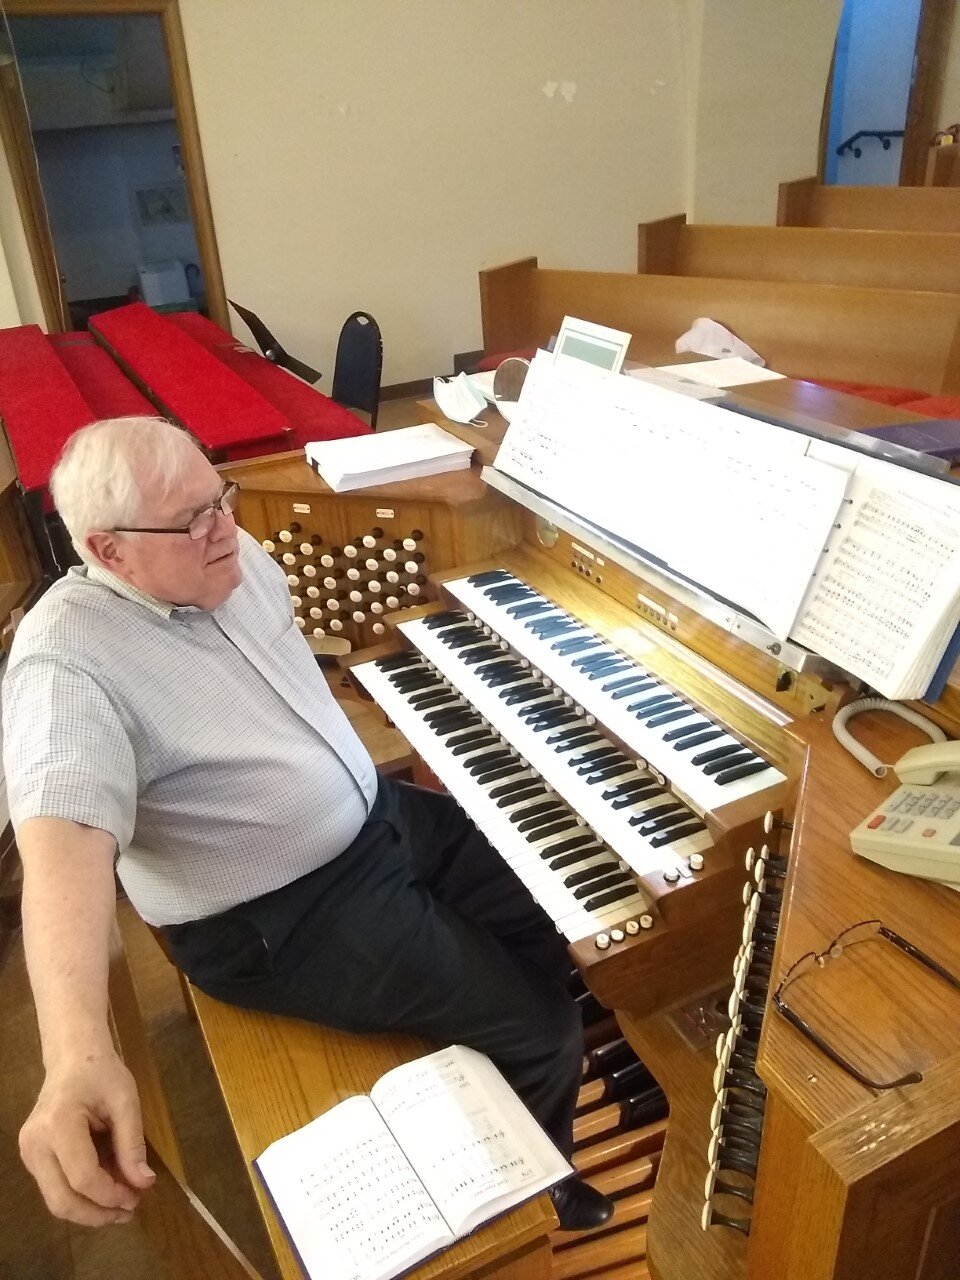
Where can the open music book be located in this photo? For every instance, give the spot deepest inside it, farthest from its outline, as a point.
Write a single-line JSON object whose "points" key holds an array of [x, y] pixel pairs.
{"points": [[855, 557], [379, 1183]]}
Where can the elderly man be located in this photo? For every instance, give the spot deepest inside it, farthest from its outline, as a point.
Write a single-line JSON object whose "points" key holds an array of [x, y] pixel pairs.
{"points": [[164, 717]]}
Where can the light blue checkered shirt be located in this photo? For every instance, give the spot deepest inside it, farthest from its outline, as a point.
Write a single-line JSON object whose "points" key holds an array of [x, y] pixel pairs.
{"points": [[207, 744]]}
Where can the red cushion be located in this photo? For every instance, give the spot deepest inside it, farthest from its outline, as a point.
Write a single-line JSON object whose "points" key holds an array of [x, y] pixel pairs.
{"points": [[40, 406], [882, 395], [935, 406], [311, 414], [191, 385], [101, 383], [491, 362]]}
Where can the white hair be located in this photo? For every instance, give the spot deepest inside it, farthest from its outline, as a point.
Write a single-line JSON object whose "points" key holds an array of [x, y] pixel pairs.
{"points": [[105, 469]]}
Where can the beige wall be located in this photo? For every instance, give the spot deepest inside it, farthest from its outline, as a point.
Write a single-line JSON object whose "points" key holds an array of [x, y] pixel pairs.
{"points": [[375, 154], [19, 297], [762, 77]]}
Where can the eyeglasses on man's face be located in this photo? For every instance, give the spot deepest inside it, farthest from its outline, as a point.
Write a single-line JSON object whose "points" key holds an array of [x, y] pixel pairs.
{"points": [[201, 522], [865, 931]]}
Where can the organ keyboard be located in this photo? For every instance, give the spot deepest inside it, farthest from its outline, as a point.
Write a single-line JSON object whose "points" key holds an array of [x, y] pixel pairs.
{"points": [[625, 756]]}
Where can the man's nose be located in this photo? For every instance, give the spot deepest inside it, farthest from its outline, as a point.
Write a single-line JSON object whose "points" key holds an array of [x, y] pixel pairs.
{"points": [[224, 524]]}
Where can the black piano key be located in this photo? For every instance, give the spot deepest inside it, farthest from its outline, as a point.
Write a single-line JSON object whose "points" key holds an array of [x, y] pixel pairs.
{"points": [[568, 646], [486, 576], [668, 717], [655, 825], [676, 833], [580, 740], [544, 807], [656, 811], [508, 789], [455, 724], [698, 739], [571, 732], [533, 690], [684, 731], [624, 682], [563, 824], [589, 661], [529, 609], [646, 706], [392, 661], [490, 761], [518, 797], [596, 754], [611, 896], [558, 862], [611, 880], [506, 677], [482, 654], [641, 686], [628, 788], [437, 620], [718, 753], [728, 762], [474, 743], [551, 722], [740, 771], [504, 771], [607, 669], [586, 874], [631, 797], [553, 814], [542, 710], [574, 842], [611, 756], [611, 771]]}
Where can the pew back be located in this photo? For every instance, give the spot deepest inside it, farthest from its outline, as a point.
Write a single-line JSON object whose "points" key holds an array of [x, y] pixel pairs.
{"points": [[805, 203], [925, 260], [883, 336]]}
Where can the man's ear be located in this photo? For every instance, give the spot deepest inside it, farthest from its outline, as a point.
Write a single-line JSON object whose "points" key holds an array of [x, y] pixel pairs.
{"points": [[107, 550]]}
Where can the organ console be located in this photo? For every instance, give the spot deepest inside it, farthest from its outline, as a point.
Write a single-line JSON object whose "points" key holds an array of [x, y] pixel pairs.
{"points": [[670, 792]]}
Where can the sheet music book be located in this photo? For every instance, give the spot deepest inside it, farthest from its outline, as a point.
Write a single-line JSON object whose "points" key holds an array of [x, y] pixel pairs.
{"points": [[407, 454], [852, 556], [380, 1183]]}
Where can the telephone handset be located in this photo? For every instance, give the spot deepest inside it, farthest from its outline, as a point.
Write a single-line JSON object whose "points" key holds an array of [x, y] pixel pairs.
{"points": [[917, 829]]}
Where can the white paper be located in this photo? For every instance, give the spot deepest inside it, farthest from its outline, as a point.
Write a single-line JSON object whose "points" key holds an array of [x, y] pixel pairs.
{"points": [[352, 1204], [470, 1137], [733, 504], [732, 371], [421, 450]]}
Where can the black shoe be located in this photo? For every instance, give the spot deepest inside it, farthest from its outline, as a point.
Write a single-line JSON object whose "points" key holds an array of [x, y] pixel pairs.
{"points": [[579, 1206]]}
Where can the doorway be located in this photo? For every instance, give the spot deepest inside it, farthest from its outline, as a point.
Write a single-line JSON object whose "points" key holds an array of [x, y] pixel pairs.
{"points": [[884, 91], [100, 125]]}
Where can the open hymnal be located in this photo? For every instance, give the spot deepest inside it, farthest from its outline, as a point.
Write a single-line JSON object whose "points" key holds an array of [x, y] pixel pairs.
{"points": [[855, 557], [379, 1183], [407, 454]]}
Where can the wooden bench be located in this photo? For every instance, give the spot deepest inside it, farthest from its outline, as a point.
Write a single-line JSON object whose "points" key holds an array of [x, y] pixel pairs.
{"points": [[880, 336], [805, 203], [275, 1075], [926, 260]]}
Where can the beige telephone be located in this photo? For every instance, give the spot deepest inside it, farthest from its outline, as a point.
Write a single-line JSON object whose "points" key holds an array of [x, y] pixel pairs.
{"points": [[917, 829]]}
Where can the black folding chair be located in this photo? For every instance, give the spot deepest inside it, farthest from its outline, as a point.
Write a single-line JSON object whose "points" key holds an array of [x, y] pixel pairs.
{"points": [[356, 374]]}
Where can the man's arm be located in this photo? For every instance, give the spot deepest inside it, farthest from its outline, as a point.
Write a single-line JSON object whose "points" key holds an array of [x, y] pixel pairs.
{"points": [[83, 1142]]}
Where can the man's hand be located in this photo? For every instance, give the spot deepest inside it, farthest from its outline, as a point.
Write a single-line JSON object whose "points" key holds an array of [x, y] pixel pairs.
{"points": [[83, 1142]]}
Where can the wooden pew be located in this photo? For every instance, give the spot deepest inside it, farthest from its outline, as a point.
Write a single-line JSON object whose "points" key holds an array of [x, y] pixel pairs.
{"points": [[805, 203], [881, 336], [925, 260]]}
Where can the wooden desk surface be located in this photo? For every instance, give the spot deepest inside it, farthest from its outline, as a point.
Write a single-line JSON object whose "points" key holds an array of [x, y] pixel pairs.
{"points": [[276, 1074]]}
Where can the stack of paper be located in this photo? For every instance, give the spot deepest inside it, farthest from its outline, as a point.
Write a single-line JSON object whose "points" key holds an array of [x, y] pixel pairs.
{"points": [[407, 454]]}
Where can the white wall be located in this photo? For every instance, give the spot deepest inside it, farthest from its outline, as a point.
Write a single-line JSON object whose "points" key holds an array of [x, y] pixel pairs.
{"points": [[376, 154], [950, 99], [19, 296], [762, 77], [90, 177]]}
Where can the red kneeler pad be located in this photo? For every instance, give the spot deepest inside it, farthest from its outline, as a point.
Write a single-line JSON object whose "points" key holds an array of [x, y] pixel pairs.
{"points": [[188, 383], [108, 392], [311, 414], [39, 403]]}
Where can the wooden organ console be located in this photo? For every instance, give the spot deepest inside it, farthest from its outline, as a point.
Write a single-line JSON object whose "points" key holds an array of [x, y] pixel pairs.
{"points": [[673, 796]]}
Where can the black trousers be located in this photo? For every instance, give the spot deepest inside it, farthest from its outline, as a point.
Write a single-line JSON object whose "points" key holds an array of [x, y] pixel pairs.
{"points": [[418, 926]]}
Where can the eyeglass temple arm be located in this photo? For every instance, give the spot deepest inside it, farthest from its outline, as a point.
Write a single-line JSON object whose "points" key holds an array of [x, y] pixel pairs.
{"points": [[912, 1077]]}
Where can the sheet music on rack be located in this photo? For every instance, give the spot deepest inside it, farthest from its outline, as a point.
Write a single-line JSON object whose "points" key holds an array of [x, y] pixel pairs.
{"points": [[852, 556]]}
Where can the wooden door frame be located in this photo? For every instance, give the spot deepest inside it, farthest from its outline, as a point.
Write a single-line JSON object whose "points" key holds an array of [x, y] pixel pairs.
{"points": [[926, 88], [22, 157]]}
